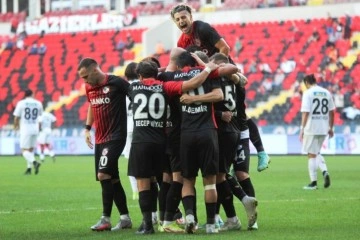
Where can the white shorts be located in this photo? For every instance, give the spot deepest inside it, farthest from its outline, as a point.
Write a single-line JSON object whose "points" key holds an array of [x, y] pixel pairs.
{"points": [[312, 143], [44, 137], [28, 141]]}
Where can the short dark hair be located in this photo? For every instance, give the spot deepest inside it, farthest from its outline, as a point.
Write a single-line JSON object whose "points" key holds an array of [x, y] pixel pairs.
{"points": [[185, 59], [147, 69], [310, 79], [179, 8], [154, 59], [86, 63], [130, 71], [202, 56], [28, 92], [193, 48], [219, 57]]}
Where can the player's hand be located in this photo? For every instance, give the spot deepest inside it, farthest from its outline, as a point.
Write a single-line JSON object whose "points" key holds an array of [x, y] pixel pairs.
{"points": [[331, 133], [212, 65], [243, 79], [226, 116], [186, 99], [88, 139], [16, 127], [301, 135]]}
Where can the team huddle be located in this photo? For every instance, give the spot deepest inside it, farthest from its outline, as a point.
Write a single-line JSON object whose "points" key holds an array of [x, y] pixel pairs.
{"points": [[187, 117], [173, 122]]}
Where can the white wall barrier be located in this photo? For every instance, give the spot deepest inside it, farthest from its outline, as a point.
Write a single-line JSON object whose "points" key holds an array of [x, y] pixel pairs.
{"points": [[273, 143], [61, 146]]}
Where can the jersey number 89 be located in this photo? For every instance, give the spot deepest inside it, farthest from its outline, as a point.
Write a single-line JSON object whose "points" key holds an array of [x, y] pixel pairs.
{"points": [[31, 113]]}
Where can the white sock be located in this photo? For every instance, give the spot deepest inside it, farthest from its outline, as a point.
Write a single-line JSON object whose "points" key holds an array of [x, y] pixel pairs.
{"points": [[51, 153], [29, 157], [321, 163], [124, 217], [133, 184], [233, 219], [312, 165], [41, 156], [217, 216], [46, 151]]}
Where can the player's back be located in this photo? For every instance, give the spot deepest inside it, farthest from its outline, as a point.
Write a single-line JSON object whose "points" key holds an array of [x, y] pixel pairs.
{"points": [[318, 102], [149, 111], [227, 105], [29, 110]]}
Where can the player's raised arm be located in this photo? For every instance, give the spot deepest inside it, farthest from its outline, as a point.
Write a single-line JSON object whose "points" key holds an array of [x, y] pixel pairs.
{"points": [[216, 95], [200, 78], [223, 47]]}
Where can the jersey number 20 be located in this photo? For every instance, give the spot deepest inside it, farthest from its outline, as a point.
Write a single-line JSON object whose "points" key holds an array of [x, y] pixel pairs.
{"points": [[155, 105]]}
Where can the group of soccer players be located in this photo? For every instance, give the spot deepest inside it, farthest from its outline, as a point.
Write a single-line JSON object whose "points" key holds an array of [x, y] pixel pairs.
{"points": [[185, 117], [35, 126], [175, 125]]}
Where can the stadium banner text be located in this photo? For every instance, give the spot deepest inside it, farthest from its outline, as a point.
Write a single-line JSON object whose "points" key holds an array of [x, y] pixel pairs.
{"points": [[77, 23]]}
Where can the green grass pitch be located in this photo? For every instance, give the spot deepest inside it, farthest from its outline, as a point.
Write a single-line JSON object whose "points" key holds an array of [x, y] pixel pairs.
{"points": [[64, 200]]}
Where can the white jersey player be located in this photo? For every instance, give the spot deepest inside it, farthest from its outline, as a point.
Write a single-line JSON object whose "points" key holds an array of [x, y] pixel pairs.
{"points": [[317, 122], [46, 121], [131, 76], [27, 112]]}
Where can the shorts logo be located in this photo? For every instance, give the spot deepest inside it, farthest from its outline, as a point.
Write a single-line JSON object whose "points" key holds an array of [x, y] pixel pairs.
{"points": [[106, 89], [105, 151]]}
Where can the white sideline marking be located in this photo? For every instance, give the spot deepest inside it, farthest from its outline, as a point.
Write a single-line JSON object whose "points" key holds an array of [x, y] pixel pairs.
{"points": [[137, 206]]}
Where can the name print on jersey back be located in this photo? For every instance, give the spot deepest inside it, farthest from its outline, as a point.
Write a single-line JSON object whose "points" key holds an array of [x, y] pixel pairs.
{"points": [[149, 111]]}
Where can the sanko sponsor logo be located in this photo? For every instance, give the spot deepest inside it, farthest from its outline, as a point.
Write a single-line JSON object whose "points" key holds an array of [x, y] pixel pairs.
{"points": [[97, 101]]}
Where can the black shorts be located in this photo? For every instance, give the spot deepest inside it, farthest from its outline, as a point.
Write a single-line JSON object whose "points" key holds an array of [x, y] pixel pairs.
{"points": [[228, 143], [107, 157], [199, 150], [242, 161], [146, 160], [174, 157], [166, 164]]}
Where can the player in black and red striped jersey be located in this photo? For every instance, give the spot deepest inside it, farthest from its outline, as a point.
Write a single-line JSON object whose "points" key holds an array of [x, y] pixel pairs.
{"points": [[204, 36], [150, 97], [107, 111]]}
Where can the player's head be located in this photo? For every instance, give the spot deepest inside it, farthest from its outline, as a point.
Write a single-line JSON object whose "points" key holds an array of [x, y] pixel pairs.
{"points": [[202, 56], [219, 58], [185, 59], [154, 59], [147, 69], [130, 71], [175, 52], [89, 70], [28, 93], [182, 16], [309, 80], [193, 48]]}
